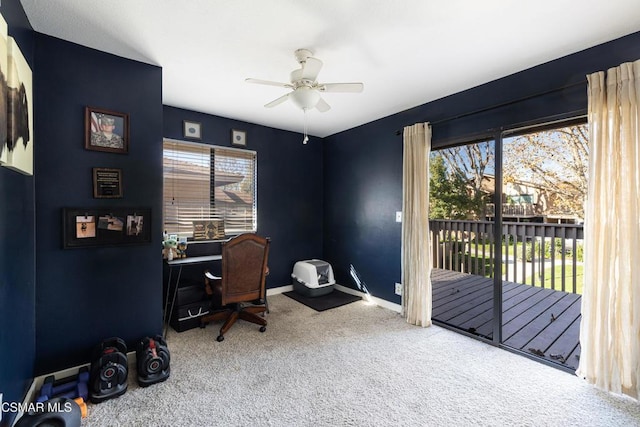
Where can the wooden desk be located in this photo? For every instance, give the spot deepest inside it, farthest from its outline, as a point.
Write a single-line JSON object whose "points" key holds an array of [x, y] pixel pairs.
{"points": [[179, 263]]}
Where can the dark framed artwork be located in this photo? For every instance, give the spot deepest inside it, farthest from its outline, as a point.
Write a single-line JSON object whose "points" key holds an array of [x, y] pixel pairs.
{"points": [[208, 229], [107, 183], [239, 137], [192, 130], [17, 133], [4, 68], [84, 227], [106, 130]]}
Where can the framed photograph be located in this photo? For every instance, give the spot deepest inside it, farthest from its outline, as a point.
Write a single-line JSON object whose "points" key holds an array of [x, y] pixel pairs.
{"points": [[107, 183], [135, 224], [208, 230], [85, 226], [192, 130], [105, 226], [106, 130], [238, 137]]}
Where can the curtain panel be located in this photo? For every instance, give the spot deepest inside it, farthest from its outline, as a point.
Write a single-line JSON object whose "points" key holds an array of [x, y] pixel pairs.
{"points": [[610, 327], [416, 251]]}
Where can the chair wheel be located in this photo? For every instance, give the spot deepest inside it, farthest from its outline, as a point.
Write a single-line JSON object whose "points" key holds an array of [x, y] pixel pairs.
{"points": [[263, 328], [220, 338]]}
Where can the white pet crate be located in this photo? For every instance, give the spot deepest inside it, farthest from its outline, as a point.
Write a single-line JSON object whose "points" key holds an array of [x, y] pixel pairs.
{"points": [[313, 277]]}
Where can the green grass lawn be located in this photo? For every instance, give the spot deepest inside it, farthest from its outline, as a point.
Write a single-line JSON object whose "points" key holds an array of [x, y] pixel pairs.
{"points": [[568, 278], [476, 264]]}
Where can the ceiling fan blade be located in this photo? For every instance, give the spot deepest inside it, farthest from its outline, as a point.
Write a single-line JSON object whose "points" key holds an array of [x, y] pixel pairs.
{"points": [[277, 101], [268, 83], [322, 106], [341, 87], [311, 68]]}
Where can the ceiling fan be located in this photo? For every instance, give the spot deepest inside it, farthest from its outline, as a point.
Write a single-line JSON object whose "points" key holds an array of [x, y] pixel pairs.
{"points": [[304, 84]]}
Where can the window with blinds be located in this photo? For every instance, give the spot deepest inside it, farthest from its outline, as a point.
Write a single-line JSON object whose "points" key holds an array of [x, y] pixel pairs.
{"points": [[205, 183]]}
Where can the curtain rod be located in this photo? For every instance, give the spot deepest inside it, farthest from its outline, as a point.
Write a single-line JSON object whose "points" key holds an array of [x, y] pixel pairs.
{"points": [[503, 104]]}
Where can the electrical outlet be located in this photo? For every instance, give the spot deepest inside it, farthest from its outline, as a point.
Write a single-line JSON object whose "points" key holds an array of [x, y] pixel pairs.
{"points": [[398, 288]]}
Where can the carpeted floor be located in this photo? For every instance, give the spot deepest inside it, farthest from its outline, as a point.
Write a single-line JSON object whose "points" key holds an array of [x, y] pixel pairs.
{"points": [[355, 365]]}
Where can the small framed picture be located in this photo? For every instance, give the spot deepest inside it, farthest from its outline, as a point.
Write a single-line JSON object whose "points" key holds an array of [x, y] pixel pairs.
{"points": [[135, 224], [208, 230], [85, 226], [192, 130], [107, 183], [106, 130], [238, 137]]}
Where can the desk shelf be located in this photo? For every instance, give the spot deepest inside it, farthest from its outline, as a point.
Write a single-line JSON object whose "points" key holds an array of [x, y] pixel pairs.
{"points": [[171, 296]]}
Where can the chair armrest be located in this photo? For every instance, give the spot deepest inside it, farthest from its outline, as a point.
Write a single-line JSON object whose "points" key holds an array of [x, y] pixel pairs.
{"points": [[212, 284], [210, 276]]}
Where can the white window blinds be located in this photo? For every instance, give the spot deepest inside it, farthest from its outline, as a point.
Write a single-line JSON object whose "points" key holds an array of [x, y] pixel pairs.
{"points": [[208, 183]]}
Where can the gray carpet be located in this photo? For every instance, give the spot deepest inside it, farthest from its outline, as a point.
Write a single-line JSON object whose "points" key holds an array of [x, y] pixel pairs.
{"points": [[356, 365]]}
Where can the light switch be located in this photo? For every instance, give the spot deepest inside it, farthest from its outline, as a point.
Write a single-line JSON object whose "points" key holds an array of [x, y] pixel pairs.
{"points": [[399, 216]]}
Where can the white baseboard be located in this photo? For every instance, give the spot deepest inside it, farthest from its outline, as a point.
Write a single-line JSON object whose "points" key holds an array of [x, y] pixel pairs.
{"points": [[279, 290], [378, 301]]}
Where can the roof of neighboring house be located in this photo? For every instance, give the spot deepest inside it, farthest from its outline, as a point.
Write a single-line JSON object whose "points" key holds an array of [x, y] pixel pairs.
{"points": [[236, 197], [199, 172], [488, 184]]}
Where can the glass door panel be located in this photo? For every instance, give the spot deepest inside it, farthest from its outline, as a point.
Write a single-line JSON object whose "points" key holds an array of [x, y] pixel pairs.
{"points": [[462, 184], [544, 188]]}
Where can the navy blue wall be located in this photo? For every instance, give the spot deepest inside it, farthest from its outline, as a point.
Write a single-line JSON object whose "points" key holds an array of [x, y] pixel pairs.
{"points": [[363, 166], [289, 188], [88, 294], [17, 253], [334, 199]]}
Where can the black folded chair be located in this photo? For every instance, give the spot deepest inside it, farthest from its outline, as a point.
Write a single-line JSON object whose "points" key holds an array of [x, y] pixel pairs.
{"points": [[240, 292]]}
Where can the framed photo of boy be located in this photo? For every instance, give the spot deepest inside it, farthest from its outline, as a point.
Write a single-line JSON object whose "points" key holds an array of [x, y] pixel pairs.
{"points": [[106, 130]]}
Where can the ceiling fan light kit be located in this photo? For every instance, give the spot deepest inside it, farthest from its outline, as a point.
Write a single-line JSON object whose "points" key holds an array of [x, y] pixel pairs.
{"points": [[305, 98]]}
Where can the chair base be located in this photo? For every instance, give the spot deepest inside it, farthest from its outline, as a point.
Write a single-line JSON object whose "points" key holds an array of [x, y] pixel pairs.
{"points": [[230, 315]]}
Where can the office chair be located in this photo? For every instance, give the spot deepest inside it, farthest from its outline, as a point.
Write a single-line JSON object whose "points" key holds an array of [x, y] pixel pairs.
{"points": [[240, 292]]}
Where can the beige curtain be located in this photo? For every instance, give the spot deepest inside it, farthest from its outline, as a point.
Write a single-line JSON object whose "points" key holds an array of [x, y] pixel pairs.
{"points": [[416, 252], [610, 328]]}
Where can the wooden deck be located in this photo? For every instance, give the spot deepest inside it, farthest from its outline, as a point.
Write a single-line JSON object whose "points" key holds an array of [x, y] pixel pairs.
{"points": [[539, 321]]}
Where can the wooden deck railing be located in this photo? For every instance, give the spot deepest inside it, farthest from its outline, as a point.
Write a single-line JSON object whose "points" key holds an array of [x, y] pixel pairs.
{"points": [[536, 254]]}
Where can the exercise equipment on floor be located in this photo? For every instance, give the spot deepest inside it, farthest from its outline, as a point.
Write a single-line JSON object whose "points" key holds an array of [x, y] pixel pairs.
{"points": [[70, 387], [109, 370], [56, 412], [152, 360]]}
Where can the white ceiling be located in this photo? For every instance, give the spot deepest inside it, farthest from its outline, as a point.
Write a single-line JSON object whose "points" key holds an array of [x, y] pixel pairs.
{"points": [[406, 52]]}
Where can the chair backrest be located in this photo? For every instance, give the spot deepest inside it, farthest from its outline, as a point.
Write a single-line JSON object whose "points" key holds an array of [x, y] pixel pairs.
{"points": [[244, 267]]}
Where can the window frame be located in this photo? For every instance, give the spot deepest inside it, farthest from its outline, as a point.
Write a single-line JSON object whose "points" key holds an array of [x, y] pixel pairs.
{"points": [[213, 151]]}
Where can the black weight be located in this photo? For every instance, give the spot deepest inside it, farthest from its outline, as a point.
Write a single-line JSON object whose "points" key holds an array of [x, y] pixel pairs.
{"points": [[152, 356], [109, 370], [55, 412], [113, 344]]}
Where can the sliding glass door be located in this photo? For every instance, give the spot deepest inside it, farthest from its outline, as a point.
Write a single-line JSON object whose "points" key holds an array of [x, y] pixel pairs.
{"points": [[462, 184], [544, 187], [507, 238]]}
